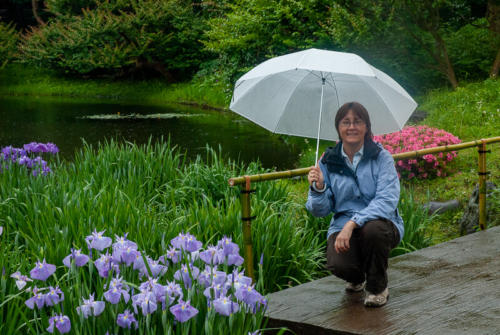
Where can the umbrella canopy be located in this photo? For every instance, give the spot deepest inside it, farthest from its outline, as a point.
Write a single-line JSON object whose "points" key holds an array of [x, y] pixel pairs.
{"points": [[296, 93]]}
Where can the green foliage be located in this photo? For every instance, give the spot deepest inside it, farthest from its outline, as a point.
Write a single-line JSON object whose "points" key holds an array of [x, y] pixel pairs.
{"points": [[253, 30], [69, 7], [118, 36], [472, 50], [8, 43], [416, 222]]}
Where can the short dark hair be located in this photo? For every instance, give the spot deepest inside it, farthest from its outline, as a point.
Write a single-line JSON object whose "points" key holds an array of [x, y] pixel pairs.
{"points": [[360, 111]]}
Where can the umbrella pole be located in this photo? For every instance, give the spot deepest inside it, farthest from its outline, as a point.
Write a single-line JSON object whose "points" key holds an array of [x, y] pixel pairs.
{"points": [[319, 121]]}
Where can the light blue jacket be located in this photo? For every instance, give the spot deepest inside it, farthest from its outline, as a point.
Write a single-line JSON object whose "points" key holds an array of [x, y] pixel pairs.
{"points": [[368, 193]]}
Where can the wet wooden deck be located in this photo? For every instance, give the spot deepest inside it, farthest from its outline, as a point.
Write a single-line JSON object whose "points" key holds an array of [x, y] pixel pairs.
{"points": [[450, 288]]}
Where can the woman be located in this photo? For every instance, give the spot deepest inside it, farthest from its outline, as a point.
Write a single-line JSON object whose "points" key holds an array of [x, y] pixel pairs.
{"points": [[358, 182]]}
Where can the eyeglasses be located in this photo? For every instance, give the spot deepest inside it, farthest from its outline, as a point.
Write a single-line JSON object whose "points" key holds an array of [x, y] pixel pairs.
{"points": [[355, 123]]}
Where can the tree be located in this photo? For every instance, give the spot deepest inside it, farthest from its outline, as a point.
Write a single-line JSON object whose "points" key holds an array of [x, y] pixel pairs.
{"points": [[423, 17], [493, 17]]}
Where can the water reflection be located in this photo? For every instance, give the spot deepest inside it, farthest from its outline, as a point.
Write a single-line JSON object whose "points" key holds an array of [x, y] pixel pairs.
{"points": [[60, 121]]}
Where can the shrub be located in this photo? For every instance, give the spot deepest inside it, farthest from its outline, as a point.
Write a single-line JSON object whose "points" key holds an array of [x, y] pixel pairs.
{"points": [[8, 43], [416, 138], [117, 37]]}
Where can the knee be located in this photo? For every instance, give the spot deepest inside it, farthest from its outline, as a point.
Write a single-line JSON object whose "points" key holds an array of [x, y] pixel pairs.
{"points": [[342, 268], [376, 232]]}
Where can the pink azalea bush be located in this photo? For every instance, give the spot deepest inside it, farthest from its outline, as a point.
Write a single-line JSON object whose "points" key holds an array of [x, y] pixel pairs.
{"points": [[416, 138]]}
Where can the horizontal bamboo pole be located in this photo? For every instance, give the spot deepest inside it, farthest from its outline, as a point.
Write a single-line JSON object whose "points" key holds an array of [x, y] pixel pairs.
{"points": [[403, 155]]}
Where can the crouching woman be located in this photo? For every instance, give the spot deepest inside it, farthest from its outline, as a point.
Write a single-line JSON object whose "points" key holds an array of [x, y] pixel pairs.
{"points": [[358, 182]]}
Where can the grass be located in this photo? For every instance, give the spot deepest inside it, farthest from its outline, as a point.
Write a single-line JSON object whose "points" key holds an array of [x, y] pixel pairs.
{"points": [[19, 80]]}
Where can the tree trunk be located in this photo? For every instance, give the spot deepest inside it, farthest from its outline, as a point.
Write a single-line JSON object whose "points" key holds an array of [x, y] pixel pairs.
{"points": [[496, 66], [445, 62], [493, 17], [34, 8]]}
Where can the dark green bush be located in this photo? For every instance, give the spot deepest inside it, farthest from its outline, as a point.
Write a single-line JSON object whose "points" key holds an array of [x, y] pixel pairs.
{"points": [[118, 37], [8, 42]]}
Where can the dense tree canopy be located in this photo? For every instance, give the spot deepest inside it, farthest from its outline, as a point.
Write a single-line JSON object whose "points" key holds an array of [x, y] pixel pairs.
{"points": [[421, 44]]}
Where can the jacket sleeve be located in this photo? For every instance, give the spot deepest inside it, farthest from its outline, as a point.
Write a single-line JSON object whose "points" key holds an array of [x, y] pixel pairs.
{"points": [[386, 197], [320, 204]]}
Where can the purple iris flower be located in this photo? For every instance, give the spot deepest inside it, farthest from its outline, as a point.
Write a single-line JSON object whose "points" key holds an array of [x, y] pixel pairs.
{"points": [[104, 264], [192, 244], [186, 274], [234, 259], [228, 247], [225, 306], [126, 255], [6, 152], [174, 255], [62, 323], [53, 296], [156, 268], [173, 289], [146, 300], [42, 270], [179, 242], [215, 291], [183, 311], [98, 241], [126, 320], [24, 160], [186, 242], [139, 262], [238, 279], [76, 254], [91, 307], [21, 280], [116, 290], [205, 277], [212, 255], [152, 285], [122, 242], [37, 299], [249, 295], [52, 148]]}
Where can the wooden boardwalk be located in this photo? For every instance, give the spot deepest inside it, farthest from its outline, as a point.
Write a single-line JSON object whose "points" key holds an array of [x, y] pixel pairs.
{"points": [[450, 288]]}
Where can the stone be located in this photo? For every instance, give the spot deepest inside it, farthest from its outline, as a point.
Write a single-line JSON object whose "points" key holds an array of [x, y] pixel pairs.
{"points": [[417, 116], [469, 223], [441, 207]]}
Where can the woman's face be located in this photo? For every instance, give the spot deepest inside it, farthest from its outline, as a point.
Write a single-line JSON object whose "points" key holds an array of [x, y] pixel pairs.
{"points": [[352, 129]]}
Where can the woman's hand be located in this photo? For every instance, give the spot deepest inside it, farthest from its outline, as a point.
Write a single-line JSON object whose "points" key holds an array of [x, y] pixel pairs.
{"points": [[343, 238], [315, 175]]}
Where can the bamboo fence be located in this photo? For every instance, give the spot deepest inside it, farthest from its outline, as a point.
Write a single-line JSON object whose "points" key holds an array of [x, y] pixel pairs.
{"points": [[246, 181]]}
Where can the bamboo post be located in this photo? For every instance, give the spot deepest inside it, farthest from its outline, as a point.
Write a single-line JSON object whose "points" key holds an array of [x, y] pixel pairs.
{"points": [[482, 184], [246, 217]]}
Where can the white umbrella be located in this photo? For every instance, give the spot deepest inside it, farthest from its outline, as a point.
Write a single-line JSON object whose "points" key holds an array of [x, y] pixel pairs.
{"points": [[296, 93]]}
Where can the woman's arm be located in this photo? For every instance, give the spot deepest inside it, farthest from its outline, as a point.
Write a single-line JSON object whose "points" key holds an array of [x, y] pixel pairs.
{"points": [[319, 202]]}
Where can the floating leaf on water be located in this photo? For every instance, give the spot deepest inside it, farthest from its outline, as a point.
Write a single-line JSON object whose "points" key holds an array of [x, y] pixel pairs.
{"points": [[138, 116]]}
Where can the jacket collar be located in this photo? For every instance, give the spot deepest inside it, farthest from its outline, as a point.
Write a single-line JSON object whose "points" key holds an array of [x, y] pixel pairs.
{"points": [[335, 163]]}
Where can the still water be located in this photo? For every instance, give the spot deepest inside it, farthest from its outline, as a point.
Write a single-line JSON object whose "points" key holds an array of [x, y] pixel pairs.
{"points": [[66, 123]]}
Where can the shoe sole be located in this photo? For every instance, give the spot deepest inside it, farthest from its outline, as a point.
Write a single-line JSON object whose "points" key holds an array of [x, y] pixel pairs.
{"points": [[377, 305]]}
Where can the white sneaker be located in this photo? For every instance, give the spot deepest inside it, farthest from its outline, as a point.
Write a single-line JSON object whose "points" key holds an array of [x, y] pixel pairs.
{"points": [[350, 287], [377, 300]]}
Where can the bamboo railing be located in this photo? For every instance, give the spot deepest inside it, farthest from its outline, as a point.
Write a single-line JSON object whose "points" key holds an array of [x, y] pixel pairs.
{"points": [[246, 212]]}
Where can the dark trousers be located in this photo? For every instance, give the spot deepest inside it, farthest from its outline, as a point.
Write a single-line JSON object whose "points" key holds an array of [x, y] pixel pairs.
{"points": [[367, 256]]}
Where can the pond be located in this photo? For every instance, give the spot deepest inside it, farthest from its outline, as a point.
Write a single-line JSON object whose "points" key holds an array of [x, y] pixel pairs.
{"points": [[68, 122]]}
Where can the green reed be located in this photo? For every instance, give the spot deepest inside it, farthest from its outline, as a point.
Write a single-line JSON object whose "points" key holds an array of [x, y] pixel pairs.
{"points": [[153, 193]]}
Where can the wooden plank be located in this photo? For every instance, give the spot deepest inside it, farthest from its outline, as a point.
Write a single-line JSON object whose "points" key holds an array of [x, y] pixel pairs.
{"points": [[450, 288]]}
